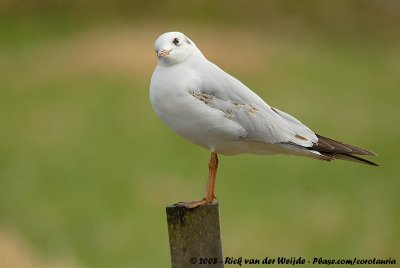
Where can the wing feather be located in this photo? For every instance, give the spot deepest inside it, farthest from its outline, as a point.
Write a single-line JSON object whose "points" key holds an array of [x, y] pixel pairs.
{"points": [[263, 123], [328, 145]]}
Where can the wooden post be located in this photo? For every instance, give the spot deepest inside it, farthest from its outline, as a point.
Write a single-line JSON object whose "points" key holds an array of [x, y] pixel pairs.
{"points": [[195, 236]]}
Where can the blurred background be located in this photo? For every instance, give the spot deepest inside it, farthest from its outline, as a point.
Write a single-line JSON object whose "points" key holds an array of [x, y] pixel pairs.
{"points": [[86, 167]]}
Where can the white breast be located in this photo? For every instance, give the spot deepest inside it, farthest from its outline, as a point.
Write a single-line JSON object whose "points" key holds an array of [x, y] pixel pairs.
{"points": [[188, 116]]}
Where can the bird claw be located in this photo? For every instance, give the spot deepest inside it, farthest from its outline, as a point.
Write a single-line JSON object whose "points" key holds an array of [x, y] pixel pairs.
{"points": [[195, 203]]}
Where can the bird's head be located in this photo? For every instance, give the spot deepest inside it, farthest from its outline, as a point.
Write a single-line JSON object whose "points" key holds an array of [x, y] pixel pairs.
{"points": [[173, 47]]}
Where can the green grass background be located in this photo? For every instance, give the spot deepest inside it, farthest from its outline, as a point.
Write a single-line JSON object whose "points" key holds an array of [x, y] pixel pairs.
{"points": [[86, 167]]}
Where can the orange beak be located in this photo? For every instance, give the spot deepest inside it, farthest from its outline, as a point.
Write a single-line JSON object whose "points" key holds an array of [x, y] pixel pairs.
{"points": [[163, 53]]}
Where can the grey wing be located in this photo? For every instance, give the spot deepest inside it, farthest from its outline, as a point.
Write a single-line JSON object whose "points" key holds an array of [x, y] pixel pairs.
{"points": [[261, 122], [270, 125]]}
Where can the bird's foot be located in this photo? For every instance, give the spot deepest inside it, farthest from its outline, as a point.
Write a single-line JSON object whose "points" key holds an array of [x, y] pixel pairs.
{"points": [[196, 203]]}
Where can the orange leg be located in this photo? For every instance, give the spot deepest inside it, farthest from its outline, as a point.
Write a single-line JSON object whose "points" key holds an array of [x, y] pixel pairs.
{"points": [[209, 196], [212, 174]]}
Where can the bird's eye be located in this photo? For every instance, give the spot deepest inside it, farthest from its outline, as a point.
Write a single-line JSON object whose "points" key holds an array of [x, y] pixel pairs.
{"points": [[175, 41]]}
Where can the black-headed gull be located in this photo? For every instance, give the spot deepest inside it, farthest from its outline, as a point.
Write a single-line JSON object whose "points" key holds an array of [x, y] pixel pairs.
{"points": [[211, 108]]}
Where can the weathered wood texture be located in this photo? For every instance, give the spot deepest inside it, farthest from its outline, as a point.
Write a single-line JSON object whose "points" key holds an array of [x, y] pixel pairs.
{"points": [[195, 236]]}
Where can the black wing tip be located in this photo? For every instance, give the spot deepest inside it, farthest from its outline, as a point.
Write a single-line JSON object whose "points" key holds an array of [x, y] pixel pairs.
{"points": [[347, 157], [370, 163], [341, 148], [359, 160], [361, 151]]}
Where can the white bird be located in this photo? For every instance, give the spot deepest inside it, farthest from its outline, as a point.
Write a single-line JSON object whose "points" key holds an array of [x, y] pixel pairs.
{"points": [[214, 110]]}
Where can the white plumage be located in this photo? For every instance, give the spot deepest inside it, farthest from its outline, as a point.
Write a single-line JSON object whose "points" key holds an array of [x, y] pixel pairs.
{"points": [[211, 108]]}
